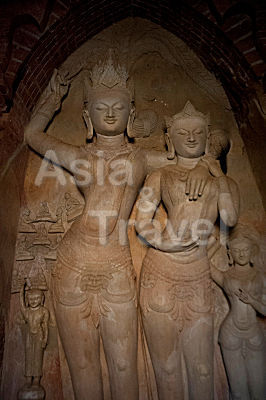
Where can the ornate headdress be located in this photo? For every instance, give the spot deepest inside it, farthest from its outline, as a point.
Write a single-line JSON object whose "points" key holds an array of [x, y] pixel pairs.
{"points": [[188, 111], [110, 75], [107, 75]]}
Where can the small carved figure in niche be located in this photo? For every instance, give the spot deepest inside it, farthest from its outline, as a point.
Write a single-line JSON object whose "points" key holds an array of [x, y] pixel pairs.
{"points": [[41, 237], [23, 246], [175, 294], [58, 226], [73, 207], [36, 317], [26, 225], [44, 213], [54, 243], [241, 338], [93, 281]]}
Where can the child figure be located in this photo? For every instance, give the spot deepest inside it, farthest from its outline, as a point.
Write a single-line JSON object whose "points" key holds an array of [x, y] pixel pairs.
{"points": [[36, 317], [241, 338]]}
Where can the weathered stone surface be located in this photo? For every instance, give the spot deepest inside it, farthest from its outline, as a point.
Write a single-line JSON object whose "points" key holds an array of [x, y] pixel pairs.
{"points": [[165, 73]]}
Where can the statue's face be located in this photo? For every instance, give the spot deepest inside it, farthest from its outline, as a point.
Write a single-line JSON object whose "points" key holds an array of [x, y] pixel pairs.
{"points": [[109, 112], [189, 136], [241, 251], [34, 298]]}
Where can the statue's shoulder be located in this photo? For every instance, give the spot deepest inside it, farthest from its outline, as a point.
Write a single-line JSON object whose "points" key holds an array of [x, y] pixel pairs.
{"points": [[137, 154], [86, 149]]}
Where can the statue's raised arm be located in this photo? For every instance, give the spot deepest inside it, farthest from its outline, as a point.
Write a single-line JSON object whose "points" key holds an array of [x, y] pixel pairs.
{"points": [[49, 103]]}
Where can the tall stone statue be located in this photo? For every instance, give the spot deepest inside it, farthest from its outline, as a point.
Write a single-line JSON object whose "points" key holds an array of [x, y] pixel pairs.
{"points": [[241, 338], [175, 293], [94, 282], [36, 317]]}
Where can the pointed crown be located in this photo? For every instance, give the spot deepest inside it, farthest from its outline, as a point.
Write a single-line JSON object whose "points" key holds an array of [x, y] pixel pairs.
{"points": [[107, 75], [189, 111]]}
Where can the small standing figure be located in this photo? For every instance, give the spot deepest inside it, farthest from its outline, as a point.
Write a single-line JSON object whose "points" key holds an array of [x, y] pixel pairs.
{"points": [[241, 338], [36, 317]]}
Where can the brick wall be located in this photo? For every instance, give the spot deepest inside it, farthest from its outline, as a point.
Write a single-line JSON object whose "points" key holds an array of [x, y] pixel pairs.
{"points": [[37, 36]]}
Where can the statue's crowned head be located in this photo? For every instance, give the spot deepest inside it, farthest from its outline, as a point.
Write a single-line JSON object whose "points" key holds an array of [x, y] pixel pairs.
{"points": [[108, 100], [243, 244], [34, 297], [187, 132]]}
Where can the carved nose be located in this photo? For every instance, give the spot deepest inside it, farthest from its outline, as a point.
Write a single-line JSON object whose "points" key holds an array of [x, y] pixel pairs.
{"points": [[191, 137], [110, 112]]}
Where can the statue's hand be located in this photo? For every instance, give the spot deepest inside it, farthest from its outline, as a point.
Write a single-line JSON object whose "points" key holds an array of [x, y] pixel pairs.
{"points": [[196, 181], [243, 296], [59, 85], [50, 100], [27, 283]]}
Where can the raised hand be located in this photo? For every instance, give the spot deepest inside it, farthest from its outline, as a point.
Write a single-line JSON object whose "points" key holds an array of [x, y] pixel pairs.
{"points": [[243, 296], [59, 84]]}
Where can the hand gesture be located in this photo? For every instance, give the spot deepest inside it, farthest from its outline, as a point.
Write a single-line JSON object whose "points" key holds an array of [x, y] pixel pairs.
{"points": [[27, 283], [243, 296], [196, 182], [59, 85]]}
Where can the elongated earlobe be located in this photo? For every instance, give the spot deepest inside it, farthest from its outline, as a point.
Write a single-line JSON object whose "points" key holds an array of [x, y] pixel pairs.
{"points": [[131, 119], [230, 258], [26, 300], [170, 147], [88, 123]]}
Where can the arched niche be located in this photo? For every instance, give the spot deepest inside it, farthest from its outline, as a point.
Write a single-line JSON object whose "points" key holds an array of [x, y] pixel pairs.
{"points": [[166, 73]]}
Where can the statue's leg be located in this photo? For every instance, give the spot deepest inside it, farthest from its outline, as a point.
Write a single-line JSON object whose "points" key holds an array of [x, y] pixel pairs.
{"points": [[197, 345], [236, 373], [119, 335], [162, 339], [81, 343], [256, 369]]}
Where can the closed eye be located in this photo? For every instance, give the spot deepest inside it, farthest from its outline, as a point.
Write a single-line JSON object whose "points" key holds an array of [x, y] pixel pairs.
{"points": [[100, 108], [181, 132], [119, 107]]}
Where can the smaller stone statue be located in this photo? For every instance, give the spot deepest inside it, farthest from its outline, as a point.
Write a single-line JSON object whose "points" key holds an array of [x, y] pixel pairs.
{"points": [[241, 338], [36, 317]]}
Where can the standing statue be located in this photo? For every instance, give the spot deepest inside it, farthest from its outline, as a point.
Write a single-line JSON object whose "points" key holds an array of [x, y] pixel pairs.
{"points": [[36, 317], [94, 290], [175, 293], [241, 338]]}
